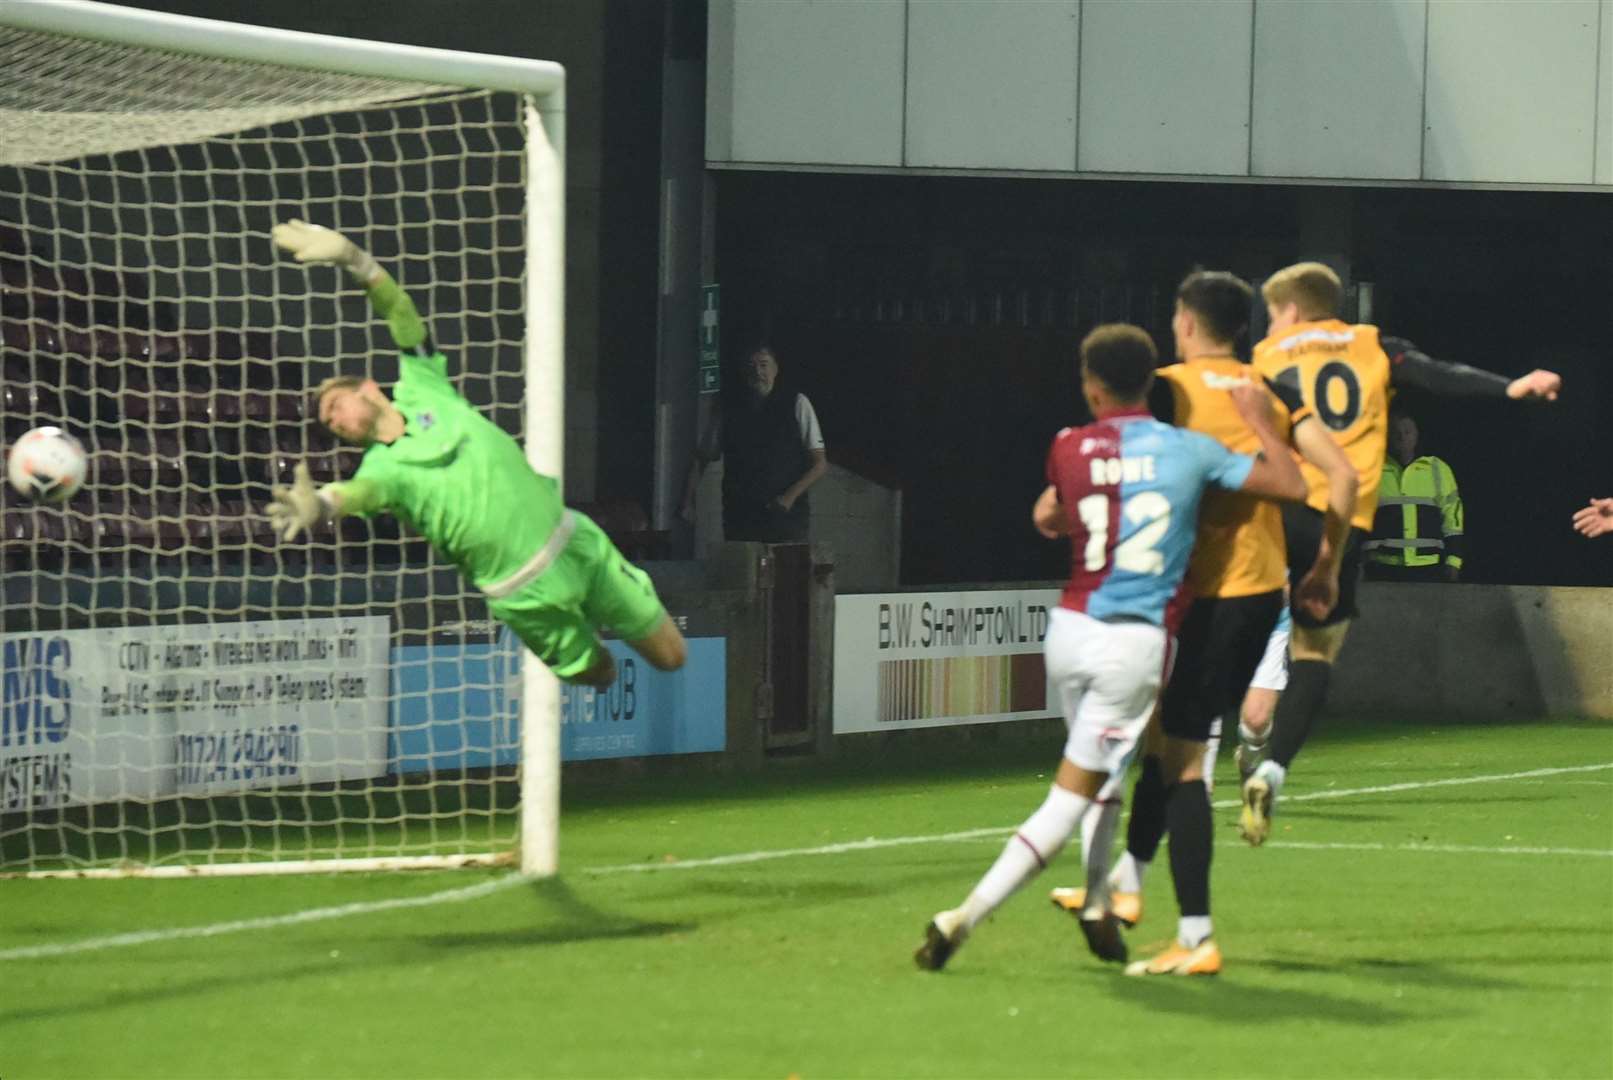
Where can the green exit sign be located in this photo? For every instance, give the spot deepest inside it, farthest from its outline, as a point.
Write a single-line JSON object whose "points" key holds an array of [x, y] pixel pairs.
{"points": [[710, 378]]}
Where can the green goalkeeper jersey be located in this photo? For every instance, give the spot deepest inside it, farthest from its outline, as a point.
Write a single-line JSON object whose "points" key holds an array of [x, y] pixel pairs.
{"points": [[456, 478]]}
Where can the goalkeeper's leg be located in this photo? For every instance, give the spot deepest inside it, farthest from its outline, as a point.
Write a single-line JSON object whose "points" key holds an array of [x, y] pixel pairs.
{"points": [[591, 586], [664, 647], [600, 672], [622, 598], [563, 639]]}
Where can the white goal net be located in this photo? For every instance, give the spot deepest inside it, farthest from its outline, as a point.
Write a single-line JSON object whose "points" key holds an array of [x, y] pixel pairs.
{"points": [[179, 689]]}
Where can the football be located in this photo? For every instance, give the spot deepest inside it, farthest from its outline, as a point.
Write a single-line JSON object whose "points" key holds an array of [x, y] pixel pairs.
{"points": [[47, 464]]}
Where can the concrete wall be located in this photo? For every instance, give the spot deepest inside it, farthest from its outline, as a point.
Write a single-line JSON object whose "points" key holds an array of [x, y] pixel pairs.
{"points": [[857, 521], [1436, 91], [1515, 651], [860, 523]]}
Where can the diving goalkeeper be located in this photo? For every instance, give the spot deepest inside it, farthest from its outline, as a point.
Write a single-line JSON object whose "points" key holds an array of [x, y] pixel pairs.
{"points": [[549, 573]]}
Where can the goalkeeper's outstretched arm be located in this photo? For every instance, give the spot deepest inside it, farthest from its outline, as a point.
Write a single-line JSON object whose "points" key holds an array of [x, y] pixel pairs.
{"points": [[300, 506], [317, 245]]}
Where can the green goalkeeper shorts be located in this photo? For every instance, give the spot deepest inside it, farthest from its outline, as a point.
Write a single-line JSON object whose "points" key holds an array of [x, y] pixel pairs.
{"points": [[590, 585]]}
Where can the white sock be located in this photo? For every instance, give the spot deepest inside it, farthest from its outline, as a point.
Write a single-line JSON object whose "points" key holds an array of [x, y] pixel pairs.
{"points": [[1127, 875], [1193, 930], [1089, 826], [1042, 836], [1097, 843], [1272, 773], [1212, 747]]}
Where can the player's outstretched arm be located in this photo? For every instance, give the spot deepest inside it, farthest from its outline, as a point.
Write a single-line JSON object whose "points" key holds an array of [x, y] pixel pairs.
{"points": [[1594, 519], [316, 245], [299, 506], [1410, 366], [1274, 474], [1318, 591]]}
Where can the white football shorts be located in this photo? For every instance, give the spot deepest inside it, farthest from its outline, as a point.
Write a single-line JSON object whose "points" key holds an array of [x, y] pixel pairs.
{"points": [[1107, 677]]}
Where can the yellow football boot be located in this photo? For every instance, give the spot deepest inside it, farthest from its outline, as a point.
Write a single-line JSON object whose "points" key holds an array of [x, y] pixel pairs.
{"points": [[1254, 823]]}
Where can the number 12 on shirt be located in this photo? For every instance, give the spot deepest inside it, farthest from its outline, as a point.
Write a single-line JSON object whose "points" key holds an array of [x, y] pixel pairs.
{"points": [[1136, 553]]}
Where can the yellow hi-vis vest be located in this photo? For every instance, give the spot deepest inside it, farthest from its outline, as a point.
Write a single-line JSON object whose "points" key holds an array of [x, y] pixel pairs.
{"points": [[1419, 519]]}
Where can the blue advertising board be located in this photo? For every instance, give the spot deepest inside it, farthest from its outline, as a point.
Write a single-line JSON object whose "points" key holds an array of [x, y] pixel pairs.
{"points": [[457, 706]]}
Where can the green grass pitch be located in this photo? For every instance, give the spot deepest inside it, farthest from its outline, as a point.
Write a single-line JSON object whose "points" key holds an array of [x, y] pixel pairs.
{"points": [[1437, 930]]}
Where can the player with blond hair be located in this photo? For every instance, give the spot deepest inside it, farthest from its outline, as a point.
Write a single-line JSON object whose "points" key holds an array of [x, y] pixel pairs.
{"points": [[1346, 373]]}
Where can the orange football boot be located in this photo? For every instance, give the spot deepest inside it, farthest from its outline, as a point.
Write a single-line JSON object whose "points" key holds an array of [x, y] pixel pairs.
{"points": [[1180, 960], [1125, 906]]}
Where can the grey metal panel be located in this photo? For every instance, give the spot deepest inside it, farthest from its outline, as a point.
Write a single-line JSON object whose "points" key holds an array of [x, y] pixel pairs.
{"points": [[1339, 88], [1511, 91], [1604, 99], [992, 83], [1165, 86], [1034, 174], [720, 80], [818, 81]]}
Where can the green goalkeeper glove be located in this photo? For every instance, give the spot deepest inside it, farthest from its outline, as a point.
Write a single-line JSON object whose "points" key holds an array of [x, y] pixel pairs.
{"points": [[317, 245], [298, 507]]}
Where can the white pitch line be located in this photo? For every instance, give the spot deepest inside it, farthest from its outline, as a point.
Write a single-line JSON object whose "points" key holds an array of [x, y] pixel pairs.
{"points": [[1450, 849], [1447, 849], [472, 892], [178, 933], [977, 834], [1420, 785], [827, 849]]}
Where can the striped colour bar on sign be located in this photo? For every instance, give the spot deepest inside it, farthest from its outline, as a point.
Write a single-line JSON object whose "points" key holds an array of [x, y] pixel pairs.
{"points": [[950, 686]]}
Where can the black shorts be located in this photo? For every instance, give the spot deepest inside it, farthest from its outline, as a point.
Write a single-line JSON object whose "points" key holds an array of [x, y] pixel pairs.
{"points": [[1302, 527], [1218, 650]]}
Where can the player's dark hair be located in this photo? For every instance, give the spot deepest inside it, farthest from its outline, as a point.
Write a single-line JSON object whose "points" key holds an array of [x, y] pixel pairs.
{"points": [[1122, 357], [1219, 300]]}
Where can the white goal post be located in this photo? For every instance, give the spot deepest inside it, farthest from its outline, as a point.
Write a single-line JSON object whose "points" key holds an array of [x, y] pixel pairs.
{"points": [[183, 696]]}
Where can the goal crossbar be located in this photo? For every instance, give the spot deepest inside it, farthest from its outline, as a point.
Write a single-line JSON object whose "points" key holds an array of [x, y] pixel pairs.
{"points": [[545, 80]]}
